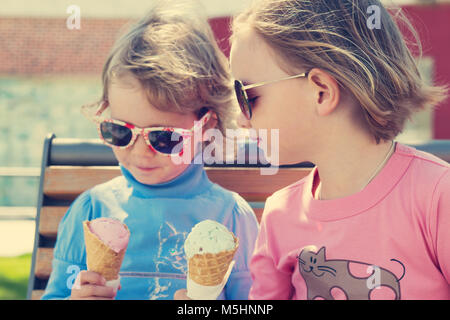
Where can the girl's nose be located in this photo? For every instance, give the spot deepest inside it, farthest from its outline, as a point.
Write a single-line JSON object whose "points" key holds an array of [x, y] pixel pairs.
{"points": [[141, 147], [243, 122]]}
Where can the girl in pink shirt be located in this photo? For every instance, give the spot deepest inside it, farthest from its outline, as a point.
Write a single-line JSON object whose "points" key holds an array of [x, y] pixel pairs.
{"points": [[372, 219]]}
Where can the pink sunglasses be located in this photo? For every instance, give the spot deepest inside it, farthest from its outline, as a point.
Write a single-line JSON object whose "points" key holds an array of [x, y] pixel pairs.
{"points": [[163, 140]]}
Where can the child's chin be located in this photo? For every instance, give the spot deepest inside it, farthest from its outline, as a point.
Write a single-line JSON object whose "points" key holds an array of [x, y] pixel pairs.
{"points": [[152, 177]]}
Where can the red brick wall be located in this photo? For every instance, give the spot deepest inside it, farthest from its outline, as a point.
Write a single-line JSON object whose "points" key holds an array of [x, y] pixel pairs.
{"points": [[47, 46], [42, 46]]}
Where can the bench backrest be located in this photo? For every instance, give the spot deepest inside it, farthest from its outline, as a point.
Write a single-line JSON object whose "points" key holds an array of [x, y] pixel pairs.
{"points": [[71, 166]]}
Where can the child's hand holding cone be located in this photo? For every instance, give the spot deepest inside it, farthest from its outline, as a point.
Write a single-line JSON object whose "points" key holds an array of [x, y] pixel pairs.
{"points": [[91, 285], [106, 242]]}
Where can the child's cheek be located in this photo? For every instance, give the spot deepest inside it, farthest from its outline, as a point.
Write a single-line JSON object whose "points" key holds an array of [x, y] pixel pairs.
{"points": [[121, 156]]}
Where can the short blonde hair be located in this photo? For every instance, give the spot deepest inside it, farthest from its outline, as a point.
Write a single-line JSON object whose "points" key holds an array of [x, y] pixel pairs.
{"points": [[173, 54], [374, 65]]}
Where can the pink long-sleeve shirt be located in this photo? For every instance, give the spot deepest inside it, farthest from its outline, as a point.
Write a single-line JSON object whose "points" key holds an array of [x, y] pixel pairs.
{"points": [[389, 241]]}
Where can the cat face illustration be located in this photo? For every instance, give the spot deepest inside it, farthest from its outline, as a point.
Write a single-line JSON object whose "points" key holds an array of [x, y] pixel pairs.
{"points": [[314, 263], [171, 256]]}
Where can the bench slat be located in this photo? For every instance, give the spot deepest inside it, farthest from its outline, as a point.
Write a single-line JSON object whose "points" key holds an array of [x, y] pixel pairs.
{"points": [[67, 182], [64, 182], [258, 213], [251, 184], [49, 220], [44, 257]]}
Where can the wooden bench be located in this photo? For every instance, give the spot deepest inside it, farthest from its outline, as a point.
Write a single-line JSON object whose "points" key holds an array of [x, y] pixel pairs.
{"points": [[71, 166]]}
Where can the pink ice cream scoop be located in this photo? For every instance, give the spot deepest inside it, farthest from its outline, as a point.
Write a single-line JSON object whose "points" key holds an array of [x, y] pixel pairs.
{"points": [[111, 232]]}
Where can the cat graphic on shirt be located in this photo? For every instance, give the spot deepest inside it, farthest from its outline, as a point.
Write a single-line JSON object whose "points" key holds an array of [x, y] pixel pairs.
{"points": [[170, 257], [327, 279]]}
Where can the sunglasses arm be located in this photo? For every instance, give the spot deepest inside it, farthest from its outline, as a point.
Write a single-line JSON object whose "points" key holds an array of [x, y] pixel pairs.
{"points": [[204, 120], [251, 86], [95, 115]]}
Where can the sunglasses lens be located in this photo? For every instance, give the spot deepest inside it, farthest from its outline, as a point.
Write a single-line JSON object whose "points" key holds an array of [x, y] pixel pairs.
{"points": [[242, 99], [167, 142], [115, 134]]}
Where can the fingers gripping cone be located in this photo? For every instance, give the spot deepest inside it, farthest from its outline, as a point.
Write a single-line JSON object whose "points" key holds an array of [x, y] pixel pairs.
{"points": [[101, 258]]}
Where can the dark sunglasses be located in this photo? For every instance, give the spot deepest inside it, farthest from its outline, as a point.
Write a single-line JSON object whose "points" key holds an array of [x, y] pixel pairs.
{"points": [[242, 96]]}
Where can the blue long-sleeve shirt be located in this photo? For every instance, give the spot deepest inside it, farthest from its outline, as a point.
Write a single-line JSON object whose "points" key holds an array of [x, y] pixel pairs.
{"points": [[159, 218]]}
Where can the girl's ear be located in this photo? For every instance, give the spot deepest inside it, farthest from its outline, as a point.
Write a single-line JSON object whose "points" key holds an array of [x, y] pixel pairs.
{"points": [[212, 123], [326, 91]]}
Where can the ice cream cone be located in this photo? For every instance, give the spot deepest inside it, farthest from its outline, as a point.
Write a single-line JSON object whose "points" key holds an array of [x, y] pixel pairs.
{"points": [[209, 269], [101, 258]]}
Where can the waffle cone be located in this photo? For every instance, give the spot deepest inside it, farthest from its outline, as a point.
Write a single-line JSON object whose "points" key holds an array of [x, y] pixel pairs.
{"points": [[99, 257], [209, 269]]}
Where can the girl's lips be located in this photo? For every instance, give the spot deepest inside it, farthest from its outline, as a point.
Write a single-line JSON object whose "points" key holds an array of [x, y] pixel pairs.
{"points": [[146, 169]]}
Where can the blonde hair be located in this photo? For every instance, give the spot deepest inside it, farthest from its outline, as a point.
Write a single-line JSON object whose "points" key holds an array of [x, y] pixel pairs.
{"points": [[374, 65], [173, 54]]}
